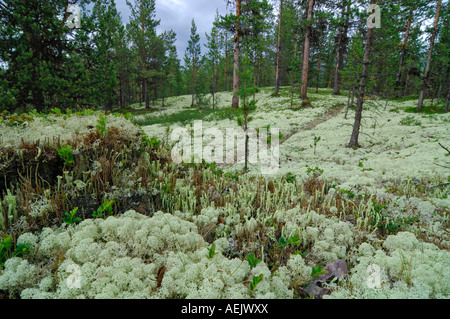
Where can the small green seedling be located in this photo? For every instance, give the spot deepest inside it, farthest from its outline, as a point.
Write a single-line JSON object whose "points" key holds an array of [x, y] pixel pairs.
{"points": [[70, 217], [303, 254], [66, 154], [316, 141], [255, 281], [22, 249], [212, 251], [290, 178], [57, 111], [5, 246], [317, 271], [6, 251], [252, 261], [101, 125], [293, 241], [106, 207], [315, 172]]}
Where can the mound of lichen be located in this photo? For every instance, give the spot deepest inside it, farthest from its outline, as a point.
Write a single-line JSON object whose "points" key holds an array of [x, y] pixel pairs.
{"points": [[403, 268], [53, 163], [136, 256]]}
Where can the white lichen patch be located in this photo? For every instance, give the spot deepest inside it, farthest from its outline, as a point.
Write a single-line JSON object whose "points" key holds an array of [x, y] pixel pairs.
{"points": [[122, 257], [48, 130], [405, 269]]}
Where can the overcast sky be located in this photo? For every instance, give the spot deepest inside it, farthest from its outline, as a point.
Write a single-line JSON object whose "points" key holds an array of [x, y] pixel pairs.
{"points": [[178, 14]]}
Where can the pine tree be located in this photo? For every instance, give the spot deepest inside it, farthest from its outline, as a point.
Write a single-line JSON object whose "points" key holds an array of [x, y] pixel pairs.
{"points": [[142, 32], [213, 56], [426, 74], [237, 36], [172, 65], [34, 50], [305, 67], [247, 89], [192, 58], [279, 50], [106, 33], [341, 45], [167, 63], [403, 51], [354, 143]]}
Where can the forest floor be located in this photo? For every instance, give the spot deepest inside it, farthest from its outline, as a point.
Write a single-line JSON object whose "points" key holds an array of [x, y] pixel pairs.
{"points": [[328, 222], [396, 145]]}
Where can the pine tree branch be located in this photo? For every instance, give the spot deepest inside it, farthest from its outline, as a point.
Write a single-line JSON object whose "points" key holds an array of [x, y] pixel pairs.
{"points": [[444, 148]]}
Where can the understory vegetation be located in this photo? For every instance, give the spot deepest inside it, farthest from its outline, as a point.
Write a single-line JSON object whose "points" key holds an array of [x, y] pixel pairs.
{"points": [[95, 197]]}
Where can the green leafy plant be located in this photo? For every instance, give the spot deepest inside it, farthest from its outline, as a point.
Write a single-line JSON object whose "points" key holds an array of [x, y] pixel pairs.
{"points": [[65, 152], [290, 178], [316, 141], [57, 111], [152, 142], [70, 217], [22, 249], [105, 208], [410, 121], [14, 119], [255, 281], [315, 172], [101, 124], [349, 193], [5, 247], [317, 271], [361, 164], [293, 241], [212, 251], [252, 261], [303, 254]]}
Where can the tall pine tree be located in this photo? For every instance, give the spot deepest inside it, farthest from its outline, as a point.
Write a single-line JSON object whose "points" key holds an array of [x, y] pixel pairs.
{"points": [[192, 58]]}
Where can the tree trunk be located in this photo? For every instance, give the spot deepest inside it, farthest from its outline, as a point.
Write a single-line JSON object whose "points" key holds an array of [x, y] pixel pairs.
{"points": [[193, 82], [362, 85], [146, 94], [406, 85], [439, 92], [277, 71], [402, 54], [444, 80], [337, 80], [446, 103], [342, 42], [380, 81], [430, 54], [225, 63], [351, 95], [318, 75], [235, 103], [348, 103], [304, 90]]}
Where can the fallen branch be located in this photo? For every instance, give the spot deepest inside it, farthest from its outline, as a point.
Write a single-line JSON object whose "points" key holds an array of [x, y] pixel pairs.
{"points": [[442, 185], [444, 147]]}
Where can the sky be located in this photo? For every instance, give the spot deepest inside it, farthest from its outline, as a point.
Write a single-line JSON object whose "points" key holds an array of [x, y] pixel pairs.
{"points": [[178, 14]]}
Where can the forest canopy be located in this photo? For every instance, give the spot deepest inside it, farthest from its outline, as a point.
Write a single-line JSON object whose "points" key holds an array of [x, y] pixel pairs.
{"points": [[105, 63]]}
